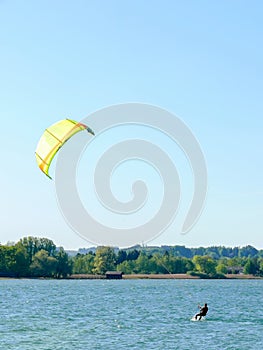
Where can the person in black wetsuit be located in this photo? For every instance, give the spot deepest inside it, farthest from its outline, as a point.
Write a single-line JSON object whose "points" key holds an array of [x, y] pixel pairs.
{"points": [[203, 311]]}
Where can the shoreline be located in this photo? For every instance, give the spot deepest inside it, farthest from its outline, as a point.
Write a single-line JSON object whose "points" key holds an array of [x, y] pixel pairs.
{"points": [[165, 276], [140, 276]]}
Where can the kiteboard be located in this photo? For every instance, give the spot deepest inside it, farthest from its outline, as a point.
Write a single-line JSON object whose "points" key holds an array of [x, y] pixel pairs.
{"points": [[197, 319]]}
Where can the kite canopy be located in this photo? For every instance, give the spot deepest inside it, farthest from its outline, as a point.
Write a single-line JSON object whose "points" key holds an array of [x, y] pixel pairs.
{"points": [[53, 139]]}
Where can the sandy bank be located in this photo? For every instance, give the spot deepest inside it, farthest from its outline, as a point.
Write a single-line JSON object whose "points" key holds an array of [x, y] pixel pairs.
{"points": [[159, 276]]}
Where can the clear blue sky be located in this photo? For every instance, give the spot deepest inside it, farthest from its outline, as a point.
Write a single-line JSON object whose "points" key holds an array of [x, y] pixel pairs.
{"points": [[201, 60]]}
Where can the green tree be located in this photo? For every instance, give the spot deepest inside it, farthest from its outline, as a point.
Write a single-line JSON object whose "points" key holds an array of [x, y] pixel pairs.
{"points": [[248, 251], [121, 256], [174, 264], [43, 265], [251, 267], [179, 265], [48, 245], [165, 263], [221, 268], [145, 264], [35, 244], [127, 267], [64, 264], [104, 260], [7, 260], [83, 263], [133, 254], [205, 264], [22, 261], [260, 264], [159, 268]]}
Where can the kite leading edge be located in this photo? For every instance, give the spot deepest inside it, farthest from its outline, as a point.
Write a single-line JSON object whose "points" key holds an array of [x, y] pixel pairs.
{"points": [[53, 139]]}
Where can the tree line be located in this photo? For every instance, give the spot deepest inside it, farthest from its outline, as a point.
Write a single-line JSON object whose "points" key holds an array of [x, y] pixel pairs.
{"points": [[34, 257], [39, 257]]}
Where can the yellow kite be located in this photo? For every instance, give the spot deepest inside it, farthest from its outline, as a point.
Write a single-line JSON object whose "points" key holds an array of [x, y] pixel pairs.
{"points": [[53, 139]]}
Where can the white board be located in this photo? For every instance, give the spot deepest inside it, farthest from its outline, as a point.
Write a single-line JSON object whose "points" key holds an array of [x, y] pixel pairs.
{"points": [[197, 319]]}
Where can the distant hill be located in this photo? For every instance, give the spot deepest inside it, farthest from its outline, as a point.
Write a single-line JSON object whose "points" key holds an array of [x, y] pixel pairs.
{"points": [[216, 252]]}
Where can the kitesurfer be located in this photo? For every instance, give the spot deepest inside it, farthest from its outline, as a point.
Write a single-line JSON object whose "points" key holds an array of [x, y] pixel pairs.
{"points": [[203, 311]]}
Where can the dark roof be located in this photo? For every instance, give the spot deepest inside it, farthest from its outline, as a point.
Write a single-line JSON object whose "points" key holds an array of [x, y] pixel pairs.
{"points": [[114, 273]]}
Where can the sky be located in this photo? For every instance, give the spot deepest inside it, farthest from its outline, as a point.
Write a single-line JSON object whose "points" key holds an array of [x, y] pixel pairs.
{"points": [[200, 60]]}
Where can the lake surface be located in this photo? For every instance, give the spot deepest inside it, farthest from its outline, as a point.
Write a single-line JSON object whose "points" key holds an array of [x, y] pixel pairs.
{"points": [[130, 314]]}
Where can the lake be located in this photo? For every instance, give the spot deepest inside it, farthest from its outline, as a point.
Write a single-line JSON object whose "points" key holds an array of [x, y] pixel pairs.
{"points": [[130, 314]]}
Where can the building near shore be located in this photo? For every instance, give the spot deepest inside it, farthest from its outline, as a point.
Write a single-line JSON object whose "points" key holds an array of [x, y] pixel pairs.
{"points": [[114, 275]]}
